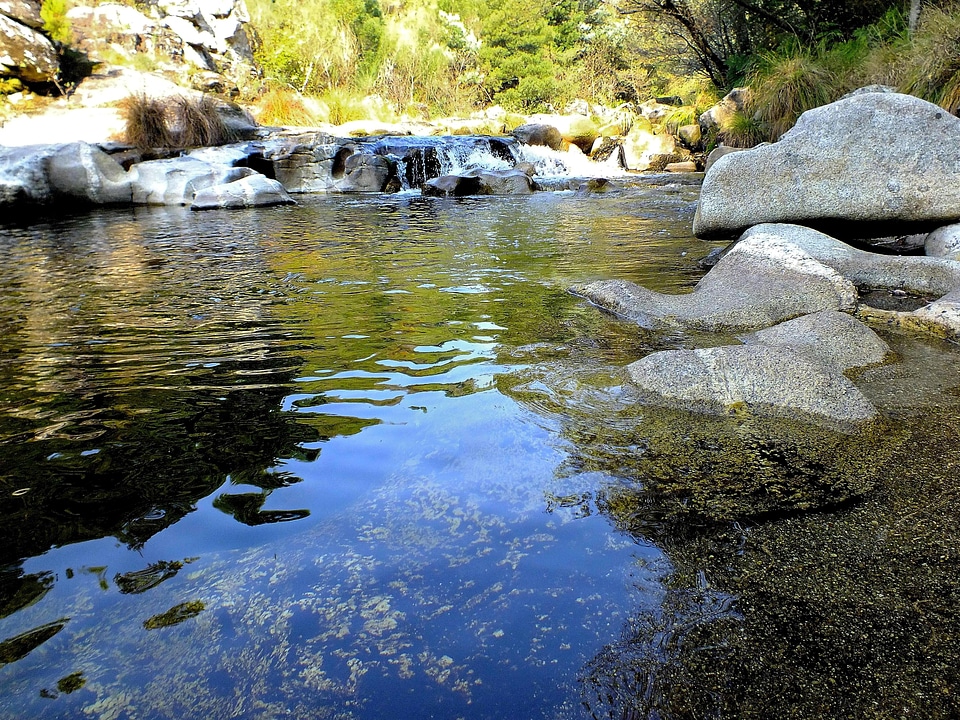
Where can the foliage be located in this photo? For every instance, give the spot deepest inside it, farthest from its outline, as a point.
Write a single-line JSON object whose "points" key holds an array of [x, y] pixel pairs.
{"points": [[283, 106], [931, 66], [723, 34], [787, 85], [56, 24]]}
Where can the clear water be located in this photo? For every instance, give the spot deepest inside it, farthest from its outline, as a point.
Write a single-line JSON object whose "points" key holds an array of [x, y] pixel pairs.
{"points": [[295, 428], [366, 457]]}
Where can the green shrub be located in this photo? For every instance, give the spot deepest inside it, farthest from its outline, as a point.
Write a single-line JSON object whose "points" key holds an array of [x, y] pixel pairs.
{"points": [[931, 68], [282, 106], [56, 24], [743, 130]]}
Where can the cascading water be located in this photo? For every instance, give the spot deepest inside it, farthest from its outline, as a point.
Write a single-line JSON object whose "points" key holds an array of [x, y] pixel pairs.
{"points": [[423, 158]]}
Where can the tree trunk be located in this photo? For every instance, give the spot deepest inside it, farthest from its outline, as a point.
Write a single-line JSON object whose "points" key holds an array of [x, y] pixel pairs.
{"points": [[914, 14]]}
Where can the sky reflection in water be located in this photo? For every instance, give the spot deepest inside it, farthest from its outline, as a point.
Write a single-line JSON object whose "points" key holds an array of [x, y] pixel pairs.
{"points": [[279, 473]]}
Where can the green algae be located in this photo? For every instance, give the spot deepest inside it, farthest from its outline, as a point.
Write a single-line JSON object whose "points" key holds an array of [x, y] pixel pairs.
{"points": [[175, 615]]}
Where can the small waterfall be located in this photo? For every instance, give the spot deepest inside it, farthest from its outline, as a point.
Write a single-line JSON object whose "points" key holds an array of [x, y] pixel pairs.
{"points": [[423, 158]]}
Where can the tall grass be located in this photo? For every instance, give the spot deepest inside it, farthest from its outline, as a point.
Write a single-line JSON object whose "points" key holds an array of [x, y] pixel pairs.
{"points": [[931, 66], [787, 85]]}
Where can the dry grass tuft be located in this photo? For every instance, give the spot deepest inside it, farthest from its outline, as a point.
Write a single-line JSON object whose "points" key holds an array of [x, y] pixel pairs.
{"points": [[145, 121], [174, 122]]}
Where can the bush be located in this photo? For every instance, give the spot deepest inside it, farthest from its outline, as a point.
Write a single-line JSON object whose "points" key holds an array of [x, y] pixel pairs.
{"points": [[931, 67], [281, 106]]}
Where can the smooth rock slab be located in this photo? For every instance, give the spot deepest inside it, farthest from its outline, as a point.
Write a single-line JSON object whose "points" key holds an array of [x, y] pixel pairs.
{"points": [[870, 161], [765, 380], [831, 338], [914, 274], [177, 181], [249, 191], [761, 281]]}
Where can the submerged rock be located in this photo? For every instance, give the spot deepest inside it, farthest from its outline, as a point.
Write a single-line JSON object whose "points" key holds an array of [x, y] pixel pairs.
{"points": [[870, 161], [793, 370]]}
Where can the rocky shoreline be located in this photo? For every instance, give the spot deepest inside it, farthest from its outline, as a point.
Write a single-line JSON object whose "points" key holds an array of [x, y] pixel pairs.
{"points": [[798, 290]]}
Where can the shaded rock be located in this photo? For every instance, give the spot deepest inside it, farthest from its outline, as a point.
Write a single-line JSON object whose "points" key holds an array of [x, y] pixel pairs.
{"points": [[838, 168], [250, 191], [761, 379], [365, 172], [684, 166], [829, 337], [538, 134], [25, 12], [598, 185], [944, 242], [940, 318], [451, 186], [305, 162], [25, 53], [505, 182], [690, 135], [761, 281], [720, 114]]}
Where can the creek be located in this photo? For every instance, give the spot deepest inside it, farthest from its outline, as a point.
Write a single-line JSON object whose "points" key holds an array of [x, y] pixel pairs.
{"points": [[367, 457]]}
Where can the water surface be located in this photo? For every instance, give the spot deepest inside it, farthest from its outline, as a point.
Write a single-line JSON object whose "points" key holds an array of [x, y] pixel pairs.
{"points": [[367, 457]]}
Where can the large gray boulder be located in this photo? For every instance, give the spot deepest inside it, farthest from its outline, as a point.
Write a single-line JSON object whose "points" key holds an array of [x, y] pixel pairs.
{"points": [[83, 172], [870, 161], [253, 190], [74, 172], [26, 53], [366, 172], [761, 281]]}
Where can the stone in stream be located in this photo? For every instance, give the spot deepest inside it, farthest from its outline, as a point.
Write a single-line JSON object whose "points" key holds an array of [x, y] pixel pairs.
{"points": [[253, 190], [793, 370], [763, 280]]}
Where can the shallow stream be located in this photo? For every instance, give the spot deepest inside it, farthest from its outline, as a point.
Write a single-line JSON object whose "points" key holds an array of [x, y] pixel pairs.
{"points": [[366, 457]]}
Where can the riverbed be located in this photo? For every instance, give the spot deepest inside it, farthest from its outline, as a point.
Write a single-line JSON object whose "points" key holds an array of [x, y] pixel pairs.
{"points": [[367, 457]]}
